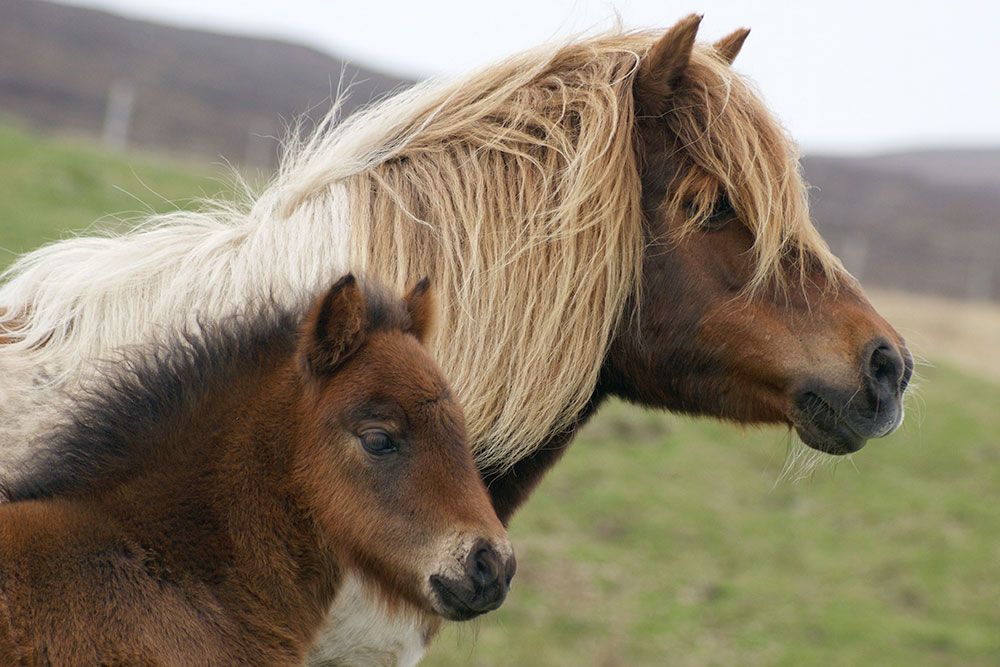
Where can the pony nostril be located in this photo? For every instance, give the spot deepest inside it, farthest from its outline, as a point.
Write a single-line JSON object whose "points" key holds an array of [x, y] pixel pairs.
{"points": [[886, 368], [486, 571]]}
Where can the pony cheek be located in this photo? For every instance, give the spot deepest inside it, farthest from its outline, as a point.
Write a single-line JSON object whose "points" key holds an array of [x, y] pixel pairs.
{"points": [[331, 482], [722, 366]]}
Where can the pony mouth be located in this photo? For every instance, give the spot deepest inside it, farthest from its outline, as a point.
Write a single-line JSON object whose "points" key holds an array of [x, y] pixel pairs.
{"points": [[450, 605], [824, 428]]}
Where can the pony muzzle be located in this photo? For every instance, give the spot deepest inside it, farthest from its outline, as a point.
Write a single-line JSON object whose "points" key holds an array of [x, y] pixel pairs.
{"points": [[479, 584], [840, 420]]}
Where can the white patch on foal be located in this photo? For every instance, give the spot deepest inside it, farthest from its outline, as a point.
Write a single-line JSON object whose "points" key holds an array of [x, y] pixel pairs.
{"points": [[361, 632]]}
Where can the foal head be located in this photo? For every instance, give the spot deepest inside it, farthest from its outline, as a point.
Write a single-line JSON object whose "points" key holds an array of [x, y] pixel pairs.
{"points": [[386, 463], [744, 313]]}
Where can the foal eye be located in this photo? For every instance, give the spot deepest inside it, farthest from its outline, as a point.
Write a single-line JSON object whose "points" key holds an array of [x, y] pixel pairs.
{"points": [[378, 443]]}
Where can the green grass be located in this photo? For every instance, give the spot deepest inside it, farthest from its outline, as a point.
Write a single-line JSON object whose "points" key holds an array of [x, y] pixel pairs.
{"points": [[49, 188], [660, 540]]}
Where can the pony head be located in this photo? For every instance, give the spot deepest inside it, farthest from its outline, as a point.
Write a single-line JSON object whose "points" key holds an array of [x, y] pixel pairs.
{"points": [[388, 463], [743, 312]]}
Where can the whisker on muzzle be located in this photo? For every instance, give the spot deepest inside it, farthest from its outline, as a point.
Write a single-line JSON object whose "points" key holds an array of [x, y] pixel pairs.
{"points": [[803, 462]]}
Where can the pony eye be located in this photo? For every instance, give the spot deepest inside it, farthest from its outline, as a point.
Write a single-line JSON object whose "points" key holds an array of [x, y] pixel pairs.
{"points": [[378, 443], [721, 212]]}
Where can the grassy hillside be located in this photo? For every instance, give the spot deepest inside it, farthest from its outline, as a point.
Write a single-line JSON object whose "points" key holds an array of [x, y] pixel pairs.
{"points": [[49, 188], [661, 540]]}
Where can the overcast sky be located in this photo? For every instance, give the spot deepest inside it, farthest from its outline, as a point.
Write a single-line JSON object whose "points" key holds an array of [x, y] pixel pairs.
{"points": [[844, 76]]}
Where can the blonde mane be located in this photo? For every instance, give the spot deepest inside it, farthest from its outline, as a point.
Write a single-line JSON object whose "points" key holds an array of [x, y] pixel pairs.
{"points": [[520, 197], [516, 190], [731, 144]]}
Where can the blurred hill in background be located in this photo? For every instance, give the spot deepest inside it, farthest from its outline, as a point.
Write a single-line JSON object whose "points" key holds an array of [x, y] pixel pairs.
{"points": [[168, 89], [925, 221], [922, 221]]}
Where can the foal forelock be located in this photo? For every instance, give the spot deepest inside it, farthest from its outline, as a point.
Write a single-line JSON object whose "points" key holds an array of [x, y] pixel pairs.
{"points": [[729, 143]]}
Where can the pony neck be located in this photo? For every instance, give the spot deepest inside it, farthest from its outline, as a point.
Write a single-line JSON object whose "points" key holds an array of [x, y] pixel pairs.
{"points": [[221, 506]]}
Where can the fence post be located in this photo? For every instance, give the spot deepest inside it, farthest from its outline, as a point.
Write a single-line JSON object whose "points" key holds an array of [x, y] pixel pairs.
{"points": [[118, 115]]}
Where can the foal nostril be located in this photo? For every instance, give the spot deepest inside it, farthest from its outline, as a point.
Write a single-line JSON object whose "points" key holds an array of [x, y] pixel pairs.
{"points": [[488, 572], [485, 567], [888, 369]]}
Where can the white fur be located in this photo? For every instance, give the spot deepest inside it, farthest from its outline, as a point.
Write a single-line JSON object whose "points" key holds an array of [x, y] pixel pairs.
{"points": [[93, 295], [90, 295], [361, 632]]}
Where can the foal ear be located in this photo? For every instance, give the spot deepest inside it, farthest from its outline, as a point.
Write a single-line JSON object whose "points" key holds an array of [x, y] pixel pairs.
{"points": [[663, 67], [334, 329], [420, 304], [729, 46]]}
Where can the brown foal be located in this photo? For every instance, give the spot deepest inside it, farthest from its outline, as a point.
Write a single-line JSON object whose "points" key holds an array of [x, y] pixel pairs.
{"points": [[206, 507]]}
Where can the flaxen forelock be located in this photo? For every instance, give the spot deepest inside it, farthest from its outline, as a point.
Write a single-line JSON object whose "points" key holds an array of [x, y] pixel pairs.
{"points": [[732, 145], [521, 199]]}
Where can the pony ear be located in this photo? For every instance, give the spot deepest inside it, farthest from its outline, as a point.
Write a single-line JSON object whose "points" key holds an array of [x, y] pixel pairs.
{"points": [[420, 304], [729, 46], [663, 67], [334, 329]]}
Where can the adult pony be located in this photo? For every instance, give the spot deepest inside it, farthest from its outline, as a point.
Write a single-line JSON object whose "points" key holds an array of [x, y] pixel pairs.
{"points": [[206, 507], [616, 216]]}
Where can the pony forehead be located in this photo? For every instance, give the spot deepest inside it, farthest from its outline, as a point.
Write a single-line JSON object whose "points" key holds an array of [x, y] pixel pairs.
{"points": [[726, 140], [729, 142], [395, 363]]}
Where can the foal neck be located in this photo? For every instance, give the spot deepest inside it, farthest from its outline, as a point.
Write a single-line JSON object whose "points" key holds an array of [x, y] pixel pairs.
{"points": [[219, 508]]}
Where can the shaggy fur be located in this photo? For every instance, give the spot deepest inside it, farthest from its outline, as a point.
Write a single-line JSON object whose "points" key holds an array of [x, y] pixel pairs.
{"points": [[117, 424], [211, 501], [516, 188]]}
